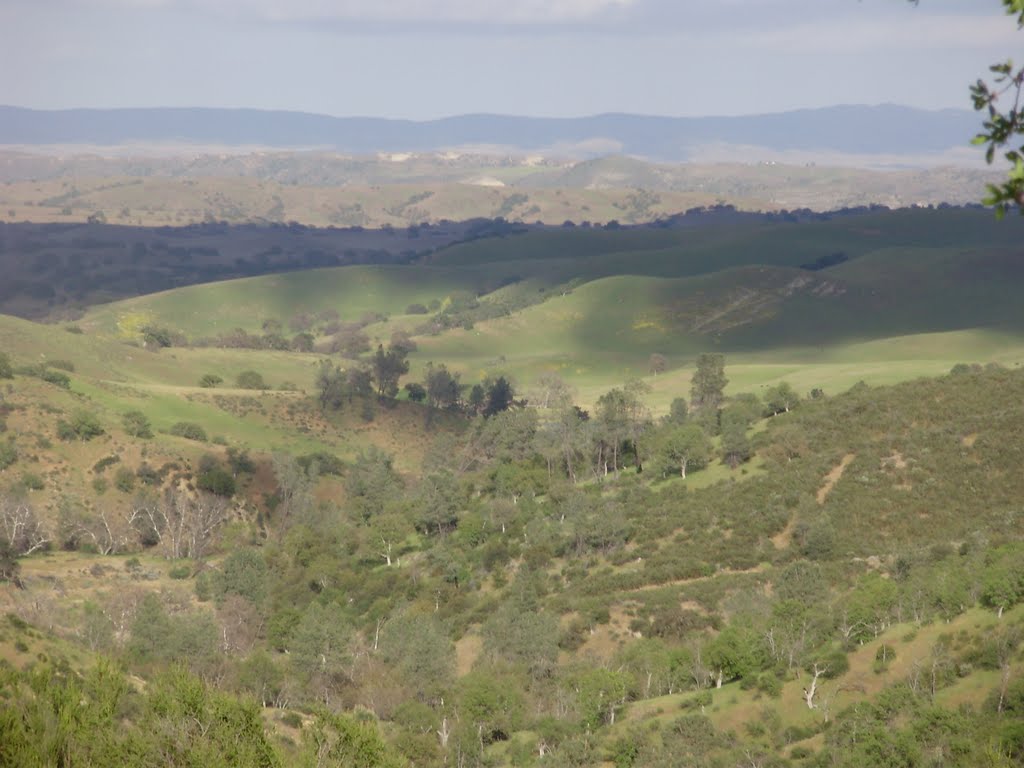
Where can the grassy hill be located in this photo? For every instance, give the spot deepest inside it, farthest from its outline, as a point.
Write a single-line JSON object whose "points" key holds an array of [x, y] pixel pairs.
{"points": [[834, 581], [912, 293]]}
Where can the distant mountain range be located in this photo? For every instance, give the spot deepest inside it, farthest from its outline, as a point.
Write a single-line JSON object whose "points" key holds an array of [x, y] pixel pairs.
{"points": [[858, 130]]}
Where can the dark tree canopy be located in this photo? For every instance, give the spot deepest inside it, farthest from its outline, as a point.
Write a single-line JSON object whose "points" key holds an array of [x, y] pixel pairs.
{"points": [[500, 396], [443, 388], [708, 386], [388, 367]]}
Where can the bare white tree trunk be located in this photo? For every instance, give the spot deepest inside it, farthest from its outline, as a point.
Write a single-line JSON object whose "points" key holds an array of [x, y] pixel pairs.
{"points": [[809, 692], [185, 525], [20, 527], [444, 733]]}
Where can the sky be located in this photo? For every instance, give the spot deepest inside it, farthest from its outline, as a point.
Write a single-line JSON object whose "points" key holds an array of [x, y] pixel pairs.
{"points": [[424, 59]]}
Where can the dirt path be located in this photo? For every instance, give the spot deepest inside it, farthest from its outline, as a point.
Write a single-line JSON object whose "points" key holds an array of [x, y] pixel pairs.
{"points": [[833, 477], [467, 651], [784, 538], [760, 568]]}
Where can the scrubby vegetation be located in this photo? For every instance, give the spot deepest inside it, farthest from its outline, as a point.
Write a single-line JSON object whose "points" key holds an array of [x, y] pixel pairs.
{"points": [[533, 596], [381, 555]]}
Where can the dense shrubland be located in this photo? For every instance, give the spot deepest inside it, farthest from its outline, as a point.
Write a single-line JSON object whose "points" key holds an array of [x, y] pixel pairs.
{"points": [[550, 571]]}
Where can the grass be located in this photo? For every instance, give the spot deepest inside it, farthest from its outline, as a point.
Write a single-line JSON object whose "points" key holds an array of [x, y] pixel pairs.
{"points": [[921, 291], [207, 310]]}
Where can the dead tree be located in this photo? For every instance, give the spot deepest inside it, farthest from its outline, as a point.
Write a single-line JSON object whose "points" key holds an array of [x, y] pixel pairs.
{"points": [[184, 524], [817, 672], [22, 531]]}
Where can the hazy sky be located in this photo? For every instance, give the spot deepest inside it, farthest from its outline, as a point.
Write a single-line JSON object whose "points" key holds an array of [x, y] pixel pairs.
{"points": [[429, 58]]}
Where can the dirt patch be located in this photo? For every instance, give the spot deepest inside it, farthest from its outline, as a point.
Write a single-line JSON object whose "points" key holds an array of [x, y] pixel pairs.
{"points": [[759, 568], [968, 441], [784, 538], [833, 477], [606, 639], [467, 651], [896, 461]]}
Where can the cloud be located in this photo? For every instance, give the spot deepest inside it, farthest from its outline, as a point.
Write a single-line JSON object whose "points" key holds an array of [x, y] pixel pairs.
{"points": [[864, 23], [488, 12], [863, 35]]}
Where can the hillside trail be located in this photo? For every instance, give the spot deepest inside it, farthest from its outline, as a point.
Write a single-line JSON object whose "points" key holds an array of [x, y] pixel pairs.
{"points": [[759, 568], [833, 477], [784, 538]]}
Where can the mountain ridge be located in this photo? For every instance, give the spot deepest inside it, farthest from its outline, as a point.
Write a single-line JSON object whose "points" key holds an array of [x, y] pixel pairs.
{"points": [[850, 129]]}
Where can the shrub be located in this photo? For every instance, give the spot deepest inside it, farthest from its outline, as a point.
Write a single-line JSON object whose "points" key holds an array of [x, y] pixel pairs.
{"points": [[147, 475], [769, 684], [239, 461], [8, 455], [155, 336], [204, 586], [64, 365], [189, 430], [100, 485], [250, 380], [417, 393], [883, 657], [101, 465], [180, 572], [32, 481], [699, 701], [327, 464], [210, 380], [6, 370], [56, 378], [83, 425], [136, 424], [217, 481], [416, 309], [303, 342], [124, 480]]}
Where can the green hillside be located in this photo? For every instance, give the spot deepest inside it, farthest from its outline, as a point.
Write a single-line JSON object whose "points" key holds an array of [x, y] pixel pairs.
{"points": [[741, 493], [868, 551], [913, 293]]}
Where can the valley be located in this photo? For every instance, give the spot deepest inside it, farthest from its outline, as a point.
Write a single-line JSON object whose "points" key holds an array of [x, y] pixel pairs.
{"points": [[722, 487]]}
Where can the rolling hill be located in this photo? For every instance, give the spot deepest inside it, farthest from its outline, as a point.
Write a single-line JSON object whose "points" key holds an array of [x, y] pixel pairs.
{"points": [[214, 546], [894, 130], [595, 304]]}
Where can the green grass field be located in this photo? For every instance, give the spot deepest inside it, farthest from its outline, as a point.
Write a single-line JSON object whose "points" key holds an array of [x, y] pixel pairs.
{"points": [[919, 292]]}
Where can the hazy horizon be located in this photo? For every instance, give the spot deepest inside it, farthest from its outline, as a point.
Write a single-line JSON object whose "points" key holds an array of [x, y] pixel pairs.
{"points": [[428, 59], [458, 115]]}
